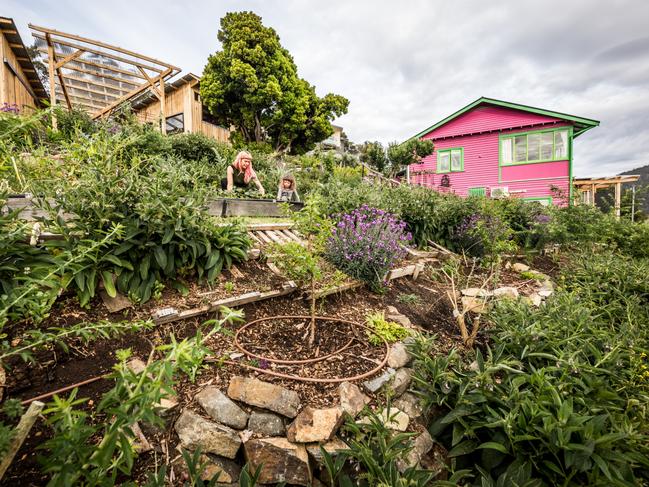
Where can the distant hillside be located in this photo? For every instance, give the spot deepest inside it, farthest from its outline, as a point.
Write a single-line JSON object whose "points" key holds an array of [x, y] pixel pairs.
{"points": [[643, 181]]}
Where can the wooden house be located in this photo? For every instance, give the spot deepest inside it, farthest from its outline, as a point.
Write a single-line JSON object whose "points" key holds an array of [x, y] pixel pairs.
{"points": [[495, 148], [184, 111], [20, 86]]}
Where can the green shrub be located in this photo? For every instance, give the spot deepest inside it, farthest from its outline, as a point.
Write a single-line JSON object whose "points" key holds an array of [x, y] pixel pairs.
{"points": [[562, 393], [194, 147]]}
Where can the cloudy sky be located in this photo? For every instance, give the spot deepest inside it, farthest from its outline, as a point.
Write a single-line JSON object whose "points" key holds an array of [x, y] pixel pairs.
{"points": [[405, 65]]}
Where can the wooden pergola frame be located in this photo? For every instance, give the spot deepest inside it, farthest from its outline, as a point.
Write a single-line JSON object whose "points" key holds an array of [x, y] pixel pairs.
{"points": [[82, 71], [591, 185]]}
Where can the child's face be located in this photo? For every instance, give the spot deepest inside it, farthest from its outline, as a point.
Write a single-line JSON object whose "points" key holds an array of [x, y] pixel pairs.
{"points": [[286, 183]]}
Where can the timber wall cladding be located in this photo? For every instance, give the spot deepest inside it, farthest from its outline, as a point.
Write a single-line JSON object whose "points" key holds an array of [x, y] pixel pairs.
{"points": [[183, 100], [12, 90]]}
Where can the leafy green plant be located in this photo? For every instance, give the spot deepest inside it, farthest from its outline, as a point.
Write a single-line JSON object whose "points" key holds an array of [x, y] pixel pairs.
{"points": [[72, 457], [559, 397], [383, 329], [378, 451], [229, 287], [409, 298]]}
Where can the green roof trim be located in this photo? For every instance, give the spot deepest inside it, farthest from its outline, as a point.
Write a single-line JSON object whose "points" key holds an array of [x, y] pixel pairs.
{"points": [[581, 124]]}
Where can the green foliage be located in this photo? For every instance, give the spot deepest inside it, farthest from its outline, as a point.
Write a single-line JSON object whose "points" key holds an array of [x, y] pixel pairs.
{"points": [[296, 262], [72, 456], [253, 85], [408, 298], [379, 452], [167, 234], [406, 153], [383, 329], [35, 339], [194, 147], [561, 395], [373, 154]]}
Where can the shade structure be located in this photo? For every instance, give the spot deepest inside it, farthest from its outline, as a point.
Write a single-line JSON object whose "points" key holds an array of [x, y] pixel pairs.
{"points": [[97, 77]]}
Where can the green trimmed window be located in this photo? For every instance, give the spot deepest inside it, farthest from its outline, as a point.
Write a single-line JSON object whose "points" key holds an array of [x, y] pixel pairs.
{"points": [[450, 160], [477, 191], [539, 146]]}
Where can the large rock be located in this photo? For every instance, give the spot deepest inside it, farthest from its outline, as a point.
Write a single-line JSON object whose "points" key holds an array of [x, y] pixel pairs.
{"points": [[195, 431], [281, 461], [401, 381], [393, 419], [221, 408], [476, 292], [399, 356], [375, 384], [411, 405], [315, 425], [228, 470], [520, 267], [352, 400], [332, 447], [266, 424], [264, 395], [421, 445], [393, 314], [506, 292]]}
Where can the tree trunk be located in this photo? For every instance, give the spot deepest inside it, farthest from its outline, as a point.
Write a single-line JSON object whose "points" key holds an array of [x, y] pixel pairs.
{"points": [[258, 129]]}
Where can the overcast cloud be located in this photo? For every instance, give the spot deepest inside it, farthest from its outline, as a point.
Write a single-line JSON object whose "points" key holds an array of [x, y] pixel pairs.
{"points": [[405, 65]]}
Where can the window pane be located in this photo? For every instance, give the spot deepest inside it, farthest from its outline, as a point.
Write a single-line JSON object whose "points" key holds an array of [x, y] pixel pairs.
{"points": [[561, 144], [547, 139], [506, 151], [444, 162], [456, 160], [175, 124], [533, 147], [520, 146]]}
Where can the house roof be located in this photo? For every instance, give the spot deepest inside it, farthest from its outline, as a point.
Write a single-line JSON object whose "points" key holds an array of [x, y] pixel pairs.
{"points": [[33, 83], [581, 124]]}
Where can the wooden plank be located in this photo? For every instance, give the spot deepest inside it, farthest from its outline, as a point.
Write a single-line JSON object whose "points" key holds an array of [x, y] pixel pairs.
{"points": [[215, 207], [293, 236], [20, 433], [254, 253], [338, 289], [264, 237], [417, 271], [254, 237], [274, 269], [69, 58], [273, 236], [270, 226], [403, 271]]}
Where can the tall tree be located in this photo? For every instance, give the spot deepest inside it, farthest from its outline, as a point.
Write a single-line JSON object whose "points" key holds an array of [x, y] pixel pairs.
{"points": [[253, 85]]}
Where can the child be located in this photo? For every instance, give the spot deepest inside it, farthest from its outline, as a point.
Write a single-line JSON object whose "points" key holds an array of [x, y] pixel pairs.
{"points": [[287, 190]]}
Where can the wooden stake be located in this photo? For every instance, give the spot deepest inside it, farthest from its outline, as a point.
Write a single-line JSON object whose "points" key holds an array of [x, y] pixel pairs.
{"points": [[20, 433]]}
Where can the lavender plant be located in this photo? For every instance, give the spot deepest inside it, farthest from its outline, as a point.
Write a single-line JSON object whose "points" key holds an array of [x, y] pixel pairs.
{"points": [[366, 242]]}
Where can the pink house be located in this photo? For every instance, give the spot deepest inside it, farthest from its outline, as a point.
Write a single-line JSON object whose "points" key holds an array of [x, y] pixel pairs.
{"points": [[495, 148]]}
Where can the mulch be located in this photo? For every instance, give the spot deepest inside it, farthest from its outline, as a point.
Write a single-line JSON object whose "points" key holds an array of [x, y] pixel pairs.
{"points": [[282, 338]]}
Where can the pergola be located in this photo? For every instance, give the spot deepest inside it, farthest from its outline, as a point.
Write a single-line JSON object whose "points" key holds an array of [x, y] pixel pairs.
{"points": [[588, 188], [95, 76]]}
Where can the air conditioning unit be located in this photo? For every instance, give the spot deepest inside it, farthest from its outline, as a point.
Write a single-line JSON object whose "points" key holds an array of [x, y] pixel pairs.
{"points": [[499, 192]]}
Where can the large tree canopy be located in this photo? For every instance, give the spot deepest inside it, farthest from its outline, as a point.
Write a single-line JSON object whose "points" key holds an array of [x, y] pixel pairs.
{"points": [[252, 84]]}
